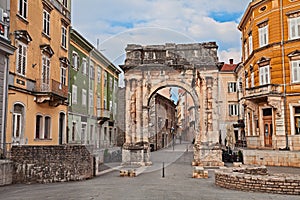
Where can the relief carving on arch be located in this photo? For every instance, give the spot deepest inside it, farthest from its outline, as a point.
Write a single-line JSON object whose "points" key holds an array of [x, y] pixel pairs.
{"points": [[251, 106]]}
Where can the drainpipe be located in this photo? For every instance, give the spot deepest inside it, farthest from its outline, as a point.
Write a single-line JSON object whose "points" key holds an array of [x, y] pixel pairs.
{"points": [[5, 104], [284, 77]]}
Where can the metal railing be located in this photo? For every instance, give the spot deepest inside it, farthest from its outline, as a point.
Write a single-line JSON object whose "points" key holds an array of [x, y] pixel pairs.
{"points": [[52, 86]]}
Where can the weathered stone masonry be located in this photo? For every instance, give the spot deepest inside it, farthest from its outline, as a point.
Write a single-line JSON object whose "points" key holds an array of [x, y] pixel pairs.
{"points": [[256, 179], [46, 164]]}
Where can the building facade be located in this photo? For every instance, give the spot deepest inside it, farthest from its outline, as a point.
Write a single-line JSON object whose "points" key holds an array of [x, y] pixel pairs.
{"points": [[162, 122], [6, 49], [93, 88], [38, 72], [271, 73]]}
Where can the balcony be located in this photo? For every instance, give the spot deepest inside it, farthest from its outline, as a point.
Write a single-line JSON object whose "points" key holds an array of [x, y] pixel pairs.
{"points": [[50, 91], [103, 115], [4, 29], [263, 90]]}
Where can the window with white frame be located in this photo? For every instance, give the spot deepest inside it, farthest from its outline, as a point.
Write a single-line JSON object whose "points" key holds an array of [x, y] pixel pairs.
{"points": [[63, 74], [240, 84], [246, 49], [99, 75], [264, 75], [65, 3], [47, 127], [263, 35], [297, 120], [92, 72], [64, 37], [45, 73], [105, 79], [84, 66], [250, 42], [83, 97], [46, 22], [110, 83], [104, 104], [74, 128], [295, 71], [91, 132], [247, 82], [252, 79], [22, 8], [231, 87], [21, 58], [75, 60], [74, 94], [233, 109], [294, 27], [91, 99], [83, 132], [18, 115]]}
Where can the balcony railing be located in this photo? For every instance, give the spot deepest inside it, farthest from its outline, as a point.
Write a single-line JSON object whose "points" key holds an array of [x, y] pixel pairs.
{"points": [[103, 113], [263, 90], [51, 86]]}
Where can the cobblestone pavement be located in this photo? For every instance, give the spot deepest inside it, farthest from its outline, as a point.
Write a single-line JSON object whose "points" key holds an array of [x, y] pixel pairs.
{"points": [[177, 184]]}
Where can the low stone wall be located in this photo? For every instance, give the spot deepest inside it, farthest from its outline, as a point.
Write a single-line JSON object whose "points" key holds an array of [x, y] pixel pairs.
{"points": [[271, 157], [46, 164], [6, 171], [233, 178]]}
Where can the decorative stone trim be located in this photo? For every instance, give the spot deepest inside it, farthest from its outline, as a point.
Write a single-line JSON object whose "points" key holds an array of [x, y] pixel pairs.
{"points": [[256, 179]]}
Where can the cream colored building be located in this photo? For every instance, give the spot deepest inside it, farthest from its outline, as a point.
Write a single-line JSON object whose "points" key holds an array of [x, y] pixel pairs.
{"points": [[38, 73]]}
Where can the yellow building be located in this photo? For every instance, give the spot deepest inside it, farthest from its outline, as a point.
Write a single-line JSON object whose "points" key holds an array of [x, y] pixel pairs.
{"points": [[38, 73], [271, 57]]}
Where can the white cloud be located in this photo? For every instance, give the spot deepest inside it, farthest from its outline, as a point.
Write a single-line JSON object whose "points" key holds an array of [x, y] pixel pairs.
{"points": [[118, 22]]}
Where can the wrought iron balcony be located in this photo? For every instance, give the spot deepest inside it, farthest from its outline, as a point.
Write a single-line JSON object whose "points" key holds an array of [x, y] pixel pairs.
{"points": [[50, 90], [103, 115], [263, 90]]}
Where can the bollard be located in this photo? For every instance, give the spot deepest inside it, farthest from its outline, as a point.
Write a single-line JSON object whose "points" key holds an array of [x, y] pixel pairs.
{"points": [[163, 172]]}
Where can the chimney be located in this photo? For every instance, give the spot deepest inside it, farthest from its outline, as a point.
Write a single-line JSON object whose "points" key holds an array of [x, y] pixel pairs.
{"points": [[231, 61]]}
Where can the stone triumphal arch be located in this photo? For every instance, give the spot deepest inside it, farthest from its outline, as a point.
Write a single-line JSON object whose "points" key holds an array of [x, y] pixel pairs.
{"points": [[193, 67]]}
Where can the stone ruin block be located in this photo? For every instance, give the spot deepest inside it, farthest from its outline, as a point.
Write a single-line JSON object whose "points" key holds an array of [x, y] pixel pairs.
{"points": [[199, 172]]}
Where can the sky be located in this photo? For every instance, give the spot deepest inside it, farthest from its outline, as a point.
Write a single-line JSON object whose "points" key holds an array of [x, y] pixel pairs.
{"points": [[116, 23]]}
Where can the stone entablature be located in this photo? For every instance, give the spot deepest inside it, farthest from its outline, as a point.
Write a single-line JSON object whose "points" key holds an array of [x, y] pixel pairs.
{"points": [[257, 181]]}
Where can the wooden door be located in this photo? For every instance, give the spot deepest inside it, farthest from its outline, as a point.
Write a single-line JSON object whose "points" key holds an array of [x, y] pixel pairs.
{"points": [[268, 132]]}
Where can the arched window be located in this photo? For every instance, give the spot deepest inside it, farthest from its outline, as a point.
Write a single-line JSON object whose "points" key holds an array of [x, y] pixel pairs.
{"points": [[18, 116]]}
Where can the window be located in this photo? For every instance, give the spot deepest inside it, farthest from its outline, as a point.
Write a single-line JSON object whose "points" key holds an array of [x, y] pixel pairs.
{"points": [[84, 66], [64, 36], [83, 132], [294, 28], [246, 50], [65, 3], [232, 87], [83, 100], [91, 98], [105, 79], [21, 58], [99, 75], [252, 79], [247, 82], [264, 75], [46, 22], [63, 74], [240, 84], [22, 8], [75, 60], [38, 126], [250, 41], [73, 131], [74, 94], [110, 83], [263, 36], [92, 72], [295, 71], [18, 115], [45, 73], [47, 127], [91, 132], [233, 109], [297, 120], [110, 105], [104, 104]]}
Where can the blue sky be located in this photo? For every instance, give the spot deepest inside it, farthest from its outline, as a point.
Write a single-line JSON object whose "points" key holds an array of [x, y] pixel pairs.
{"points": [[119, 22]]}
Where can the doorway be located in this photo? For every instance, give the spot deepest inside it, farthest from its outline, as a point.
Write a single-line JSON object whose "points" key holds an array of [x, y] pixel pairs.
{"points": [[267, 127], [61, 127]]}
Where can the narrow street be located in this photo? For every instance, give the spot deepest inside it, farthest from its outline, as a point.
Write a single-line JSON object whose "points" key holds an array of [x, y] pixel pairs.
{"points": [[149, 184]]}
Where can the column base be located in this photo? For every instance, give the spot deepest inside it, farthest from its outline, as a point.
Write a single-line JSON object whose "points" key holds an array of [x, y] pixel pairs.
{"points": [[135, 155], [207, 156]]}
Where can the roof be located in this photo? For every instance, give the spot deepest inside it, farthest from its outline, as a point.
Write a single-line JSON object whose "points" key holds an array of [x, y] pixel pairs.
{"points": [[228, 67]]}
